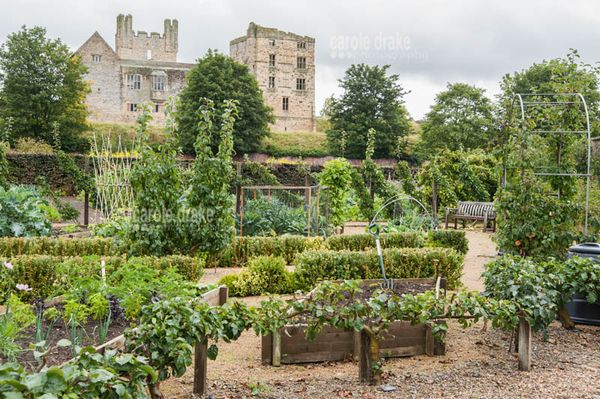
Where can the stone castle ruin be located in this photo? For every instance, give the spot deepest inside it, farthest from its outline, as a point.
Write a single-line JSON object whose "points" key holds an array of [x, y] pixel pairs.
{"points": [[284, 65], [143, 68]]}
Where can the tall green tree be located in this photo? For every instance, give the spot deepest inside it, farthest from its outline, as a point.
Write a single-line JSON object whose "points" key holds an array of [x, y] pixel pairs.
{"points": [[559, 153], [460, 118], [219, 78], [372, 99], [42, 85], [559, 75]]}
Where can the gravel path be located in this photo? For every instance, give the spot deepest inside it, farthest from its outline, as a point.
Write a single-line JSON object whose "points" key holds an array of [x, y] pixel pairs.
{"points": [[477, 363]]}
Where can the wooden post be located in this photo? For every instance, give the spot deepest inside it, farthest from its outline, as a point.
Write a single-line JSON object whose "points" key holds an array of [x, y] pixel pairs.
{"points": [[223, 294], [429, 341], [86, 201], [200, 357], [269, 196], [308, 211], [242, 213], [434, 199], [317, 209], [524, 344], [238, 189], [200, 353], [356, 351], [276, 359], [369, 356], [86, 208]]}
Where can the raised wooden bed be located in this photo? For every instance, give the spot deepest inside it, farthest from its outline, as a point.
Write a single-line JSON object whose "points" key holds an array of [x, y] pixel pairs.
{"points": [[403, 339]]}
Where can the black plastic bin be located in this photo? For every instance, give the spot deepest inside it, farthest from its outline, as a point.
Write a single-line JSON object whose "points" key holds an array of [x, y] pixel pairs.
{"points": [[579, 309]]}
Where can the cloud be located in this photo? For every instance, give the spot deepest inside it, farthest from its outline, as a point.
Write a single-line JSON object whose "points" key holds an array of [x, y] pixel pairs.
{"points": [[427, 42]]}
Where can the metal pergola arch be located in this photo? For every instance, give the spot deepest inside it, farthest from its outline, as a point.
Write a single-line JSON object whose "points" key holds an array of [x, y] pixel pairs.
{"points": [[525, 100]]}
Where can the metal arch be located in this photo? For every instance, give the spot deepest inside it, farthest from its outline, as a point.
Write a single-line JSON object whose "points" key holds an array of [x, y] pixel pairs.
{"points": [[589, 157], [374, 230], [395, 199], [522, 105]]}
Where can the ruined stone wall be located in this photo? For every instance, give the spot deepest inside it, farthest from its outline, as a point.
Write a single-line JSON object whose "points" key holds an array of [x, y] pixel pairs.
{"points": [[255, 49]]}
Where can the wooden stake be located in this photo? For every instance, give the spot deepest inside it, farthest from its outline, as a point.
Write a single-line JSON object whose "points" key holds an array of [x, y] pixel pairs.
{"points": [[308, 211], [429, 341], [223, 294], [317, 209], [356, 350], [242, 214], [524, 344], [86, 208], [276, 360], [200, 357], [369, 356]]}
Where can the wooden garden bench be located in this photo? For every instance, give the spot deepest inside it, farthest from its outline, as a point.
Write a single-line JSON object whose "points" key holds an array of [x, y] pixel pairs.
{"points": [[471, 210]]}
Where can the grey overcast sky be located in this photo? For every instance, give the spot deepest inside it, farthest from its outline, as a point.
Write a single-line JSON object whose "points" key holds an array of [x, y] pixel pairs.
{"points": [[427, 42]]}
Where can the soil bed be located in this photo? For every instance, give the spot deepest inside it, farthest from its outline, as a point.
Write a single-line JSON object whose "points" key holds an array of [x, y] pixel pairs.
{"points": [[88, 334]]}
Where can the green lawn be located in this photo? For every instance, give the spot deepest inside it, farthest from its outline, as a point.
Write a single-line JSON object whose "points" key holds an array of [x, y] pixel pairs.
{"points": [[279, 144], [125, 130], [304, 144]]}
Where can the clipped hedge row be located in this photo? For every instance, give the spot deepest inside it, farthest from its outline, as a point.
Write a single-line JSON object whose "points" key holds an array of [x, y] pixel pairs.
{"points": [[48, 276], [313, 266], [239, 252], [16, 246], [449, 239], [361, 242]]}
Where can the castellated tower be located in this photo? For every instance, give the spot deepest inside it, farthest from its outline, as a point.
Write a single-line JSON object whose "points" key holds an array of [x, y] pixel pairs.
{"points": [[284, 66], [140, 45], [142, 69]]}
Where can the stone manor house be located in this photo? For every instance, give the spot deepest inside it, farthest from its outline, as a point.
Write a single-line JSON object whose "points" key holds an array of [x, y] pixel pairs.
{"points": [[143, 68]]}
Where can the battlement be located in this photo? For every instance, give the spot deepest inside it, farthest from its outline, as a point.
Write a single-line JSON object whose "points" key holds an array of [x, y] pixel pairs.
{"points": [[257, 31], [140, 45]]}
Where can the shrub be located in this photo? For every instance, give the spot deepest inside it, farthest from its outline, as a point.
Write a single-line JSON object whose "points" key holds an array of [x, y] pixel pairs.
{"points": [[30, 145], [265, 275], [449, 239], [533, 223], [361, 242], [272, 217], [49, 276], [540, 289], [244, 248], [23, 213], [459, 176], [230, 280], [28, 168], [337, 178], [313, 266]]}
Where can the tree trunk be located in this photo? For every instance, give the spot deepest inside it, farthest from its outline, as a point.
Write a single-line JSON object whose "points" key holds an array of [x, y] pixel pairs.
{"points": [[155, 392], [565, 319], [368, 361]]}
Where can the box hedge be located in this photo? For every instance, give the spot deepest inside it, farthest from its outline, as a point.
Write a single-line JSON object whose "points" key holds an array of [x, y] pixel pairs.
{"points": [[49, 276], [15, 246], [241, 249], [362, 242], [449, 239], [313, 266]]}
